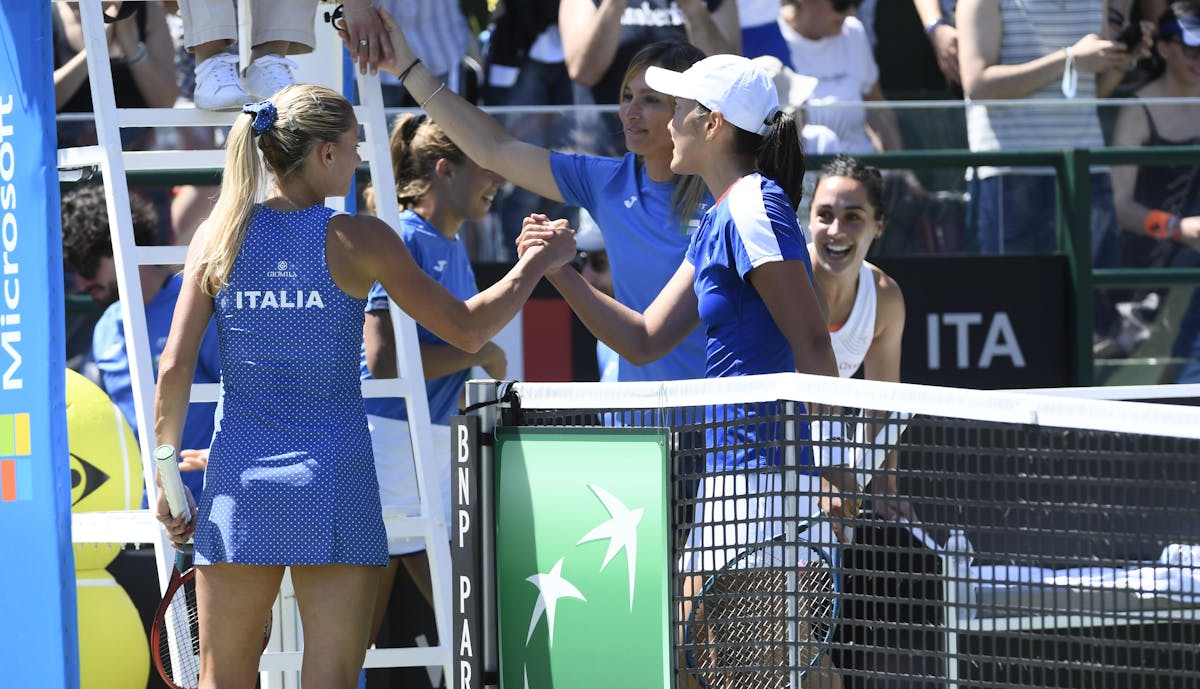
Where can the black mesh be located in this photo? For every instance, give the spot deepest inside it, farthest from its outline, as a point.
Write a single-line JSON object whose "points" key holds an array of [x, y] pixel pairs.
{"points": [[1042, 557]]}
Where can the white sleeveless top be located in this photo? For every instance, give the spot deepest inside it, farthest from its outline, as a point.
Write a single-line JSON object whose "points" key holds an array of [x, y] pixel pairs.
{"points": [[853, 339]]}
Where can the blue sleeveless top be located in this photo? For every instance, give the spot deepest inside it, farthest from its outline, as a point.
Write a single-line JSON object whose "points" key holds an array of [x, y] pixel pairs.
{"points": [[291, 478]]}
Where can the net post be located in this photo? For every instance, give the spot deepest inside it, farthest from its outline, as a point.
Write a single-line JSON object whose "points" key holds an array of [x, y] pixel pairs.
{"points": [[790, 517], [473, 539]]}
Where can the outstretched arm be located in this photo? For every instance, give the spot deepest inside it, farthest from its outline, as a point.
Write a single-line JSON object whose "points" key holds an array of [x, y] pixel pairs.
{"points": [[437, 360], [362, 250], [639, 337], [478, 134]]}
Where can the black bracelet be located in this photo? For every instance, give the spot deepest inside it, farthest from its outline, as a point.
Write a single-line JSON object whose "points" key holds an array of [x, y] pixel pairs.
{"points": [[409, 69]]}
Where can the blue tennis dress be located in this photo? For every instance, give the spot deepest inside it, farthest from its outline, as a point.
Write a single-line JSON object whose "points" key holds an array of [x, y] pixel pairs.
{"points": [[291, 478]]}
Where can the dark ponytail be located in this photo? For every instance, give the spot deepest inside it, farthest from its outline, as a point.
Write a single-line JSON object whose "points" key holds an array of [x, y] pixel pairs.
{"points": [[779, 154]]}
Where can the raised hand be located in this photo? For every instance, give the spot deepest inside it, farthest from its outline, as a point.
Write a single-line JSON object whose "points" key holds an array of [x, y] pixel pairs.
{"points": [[365, 36], [401, 55], [1094, 54]]}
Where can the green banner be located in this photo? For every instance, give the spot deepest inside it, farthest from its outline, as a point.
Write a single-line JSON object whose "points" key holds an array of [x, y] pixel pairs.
{"points": [[582, 558]]}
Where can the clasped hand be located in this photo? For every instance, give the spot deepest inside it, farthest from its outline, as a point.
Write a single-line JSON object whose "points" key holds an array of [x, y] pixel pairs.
{"points": [[555, 238]]}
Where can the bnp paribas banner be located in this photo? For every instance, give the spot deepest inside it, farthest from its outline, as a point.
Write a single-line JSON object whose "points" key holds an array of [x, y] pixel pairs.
{"points": [[582, 561]]}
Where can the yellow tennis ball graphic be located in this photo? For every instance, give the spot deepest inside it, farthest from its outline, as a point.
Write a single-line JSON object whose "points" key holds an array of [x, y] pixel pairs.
{"points": [[106, 466], [113, 650]]}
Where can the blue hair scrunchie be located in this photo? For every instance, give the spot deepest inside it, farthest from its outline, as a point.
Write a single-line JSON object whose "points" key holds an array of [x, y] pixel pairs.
{"points": [[264, 115]]}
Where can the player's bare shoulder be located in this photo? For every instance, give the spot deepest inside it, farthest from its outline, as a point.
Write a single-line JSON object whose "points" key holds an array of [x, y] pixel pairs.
{"points": [[889, 298], [359, 232]]}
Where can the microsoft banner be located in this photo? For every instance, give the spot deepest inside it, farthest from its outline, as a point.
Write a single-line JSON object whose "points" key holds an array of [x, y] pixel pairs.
{"points": [[38, 646], [582, 558]]}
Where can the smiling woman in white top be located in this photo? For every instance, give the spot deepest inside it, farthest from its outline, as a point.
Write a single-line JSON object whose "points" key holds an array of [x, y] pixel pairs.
{"points": [[865, 305]]}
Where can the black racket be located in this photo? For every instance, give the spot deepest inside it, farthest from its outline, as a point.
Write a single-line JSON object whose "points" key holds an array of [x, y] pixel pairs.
{"points": [[766, 615]]}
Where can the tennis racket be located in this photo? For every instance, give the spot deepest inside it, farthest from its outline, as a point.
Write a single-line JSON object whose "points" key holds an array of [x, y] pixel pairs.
{"points": [[763, 617], [175, 632], [772, 611], [868, 455]]}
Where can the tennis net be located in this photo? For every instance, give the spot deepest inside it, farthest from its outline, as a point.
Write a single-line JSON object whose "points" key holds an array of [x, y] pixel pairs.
{"points": [[854, 533]]}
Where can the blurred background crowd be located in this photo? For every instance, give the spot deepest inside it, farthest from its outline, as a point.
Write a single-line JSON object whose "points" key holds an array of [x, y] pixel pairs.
{"points": [[866, 75]]}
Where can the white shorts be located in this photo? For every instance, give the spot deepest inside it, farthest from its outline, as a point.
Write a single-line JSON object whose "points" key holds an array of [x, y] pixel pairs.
{"points": [[735, 512], [398, 474]]}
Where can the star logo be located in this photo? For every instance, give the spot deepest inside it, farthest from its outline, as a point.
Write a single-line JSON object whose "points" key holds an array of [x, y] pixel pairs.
{"points": [[551, 586], [620, 530]]}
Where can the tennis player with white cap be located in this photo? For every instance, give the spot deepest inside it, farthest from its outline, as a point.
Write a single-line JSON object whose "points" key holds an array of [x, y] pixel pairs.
{"points": [[746, 275]]}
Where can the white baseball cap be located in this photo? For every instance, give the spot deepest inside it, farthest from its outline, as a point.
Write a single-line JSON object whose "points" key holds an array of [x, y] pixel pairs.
{"points": [[794, 89], [730, 84]]}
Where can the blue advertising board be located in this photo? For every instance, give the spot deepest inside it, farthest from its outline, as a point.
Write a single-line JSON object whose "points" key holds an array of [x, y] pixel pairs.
{"points": [[38, 646]]}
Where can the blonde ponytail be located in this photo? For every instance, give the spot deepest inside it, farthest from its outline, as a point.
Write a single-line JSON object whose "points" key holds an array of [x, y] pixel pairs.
{"points": [[242, 185], [301, 115]]}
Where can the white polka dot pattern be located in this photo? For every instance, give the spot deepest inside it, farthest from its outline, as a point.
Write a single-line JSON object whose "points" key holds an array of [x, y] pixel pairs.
{"points": [[290, 479]]}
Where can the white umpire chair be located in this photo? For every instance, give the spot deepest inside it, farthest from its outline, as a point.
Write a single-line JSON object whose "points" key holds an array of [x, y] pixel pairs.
{"points": [[280, 664]]}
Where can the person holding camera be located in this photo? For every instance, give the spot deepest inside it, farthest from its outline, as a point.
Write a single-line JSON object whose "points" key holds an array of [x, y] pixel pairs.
{"points": [[1044, 52]]}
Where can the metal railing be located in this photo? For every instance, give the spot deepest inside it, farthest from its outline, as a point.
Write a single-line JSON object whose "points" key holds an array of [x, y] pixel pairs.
{"points": [[1071, 169]]}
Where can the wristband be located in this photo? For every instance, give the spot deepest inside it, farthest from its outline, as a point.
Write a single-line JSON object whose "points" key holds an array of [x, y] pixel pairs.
{"points": [[940, 21], [1070, 77], [1162, 225], [408, 69]]}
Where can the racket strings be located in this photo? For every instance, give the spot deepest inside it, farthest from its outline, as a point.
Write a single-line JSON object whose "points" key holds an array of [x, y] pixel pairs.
{"points": [[748, 631], [181, 627]]}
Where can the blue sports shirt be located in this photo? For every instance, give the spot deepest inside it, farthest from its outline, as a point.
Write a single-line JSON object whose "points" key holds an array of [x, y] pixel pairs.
{"points": [[446, 260], [752, 224], [644, 240]]}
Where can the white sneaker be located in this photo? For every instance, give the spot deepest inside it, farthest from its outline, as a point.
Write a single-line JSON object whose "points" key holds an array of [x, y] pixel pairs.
{"points": [[269, 74], [217, 85]]}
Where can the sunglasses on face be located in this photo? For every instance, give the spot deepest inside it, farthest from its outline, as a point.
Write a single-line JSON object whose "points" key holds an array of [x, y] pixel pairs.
{"points": [[596, 260]]}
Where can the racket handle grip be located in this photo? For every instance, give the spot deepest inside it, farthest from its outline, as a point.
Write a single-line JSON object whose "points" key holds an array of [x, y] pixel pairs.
{"points": [[172, 482]]}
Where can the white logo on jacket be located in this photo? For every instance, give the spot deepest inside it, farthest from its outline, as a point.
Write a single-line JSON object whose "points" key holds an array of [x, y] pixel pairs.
{"points": [[278, 299]]}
